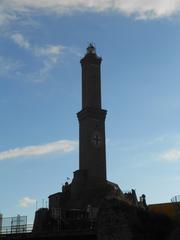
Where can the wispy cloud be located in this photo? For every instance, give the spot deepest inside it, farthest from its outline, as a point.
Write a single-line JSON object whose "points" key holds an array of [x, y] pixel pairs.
{"points": [[8, 66], [20, 40], [6, 14], [26, 202], [172, 155], [139, 144], [51, 51], [49, 55], [146, 9], [62, 146]]}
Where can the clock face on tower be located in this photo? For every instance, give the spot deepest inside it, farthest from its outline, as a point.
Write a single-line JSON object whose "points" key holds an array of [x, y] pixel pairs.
{"points": [[96, 139]]}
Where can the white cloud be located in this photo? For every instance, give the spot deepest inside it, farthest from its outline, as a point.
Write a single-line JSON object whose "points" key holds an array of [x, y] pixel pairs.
{"points": [[8, 66], [20, 40], [143, 9], [26, 201], [6, 14], [161, 139], [49, 55], [62, 146], [170, 156], [52, 52]]}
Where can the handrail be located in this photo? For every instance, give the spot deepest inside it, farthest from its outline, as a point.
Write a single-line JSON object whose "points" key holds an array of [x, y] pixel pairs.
{"points": [[5, 230], [175, 199]]}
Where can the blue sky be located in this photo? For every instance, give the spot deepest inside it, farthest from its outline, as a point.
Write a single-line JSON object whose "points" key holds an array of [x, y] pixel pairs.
{"points": [[41, 44]]}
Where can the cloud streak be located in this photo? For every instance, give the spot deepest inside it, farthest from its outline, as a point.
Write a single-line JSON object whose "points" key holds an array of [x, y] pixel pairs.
{"points": [[172, 155], [146, 9], [50, 55], [26, 202], [62, 146], [20, 40], [51, 52], [8, 66]]}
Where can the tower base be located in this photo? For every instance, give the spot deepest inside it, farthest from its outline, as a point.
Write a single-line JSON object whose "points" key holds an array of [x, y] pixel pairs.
{"points": [[81, 193]]}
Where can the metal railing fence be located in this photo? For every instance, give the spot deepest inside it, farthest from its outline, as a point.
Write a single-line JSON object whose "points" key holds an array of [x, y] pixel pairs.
{"points": [[16, 229]]}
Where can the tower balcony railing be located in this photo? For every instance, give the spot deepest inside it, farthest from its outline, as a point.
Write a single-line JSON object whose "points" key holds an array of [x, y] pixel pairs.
{"points": [[175, 199], [6, 230], [176, 204]]}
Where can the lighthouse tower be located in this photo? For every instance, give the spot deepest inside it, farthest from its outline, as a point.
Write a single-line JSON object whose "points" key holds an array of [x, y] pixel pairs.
{"points": [[92, 153], [89, 185]]}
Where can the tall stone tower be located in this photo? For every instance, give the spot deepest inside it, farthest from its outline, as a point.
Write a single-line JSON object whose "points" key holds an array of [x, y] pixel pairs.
{"points": [[89, 185], [92, 153]]}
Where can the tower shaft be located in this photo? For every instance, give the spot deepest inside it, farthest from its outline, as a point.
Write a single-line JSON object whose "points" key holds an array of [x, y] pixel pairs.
{"points": [[92, 120]]}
